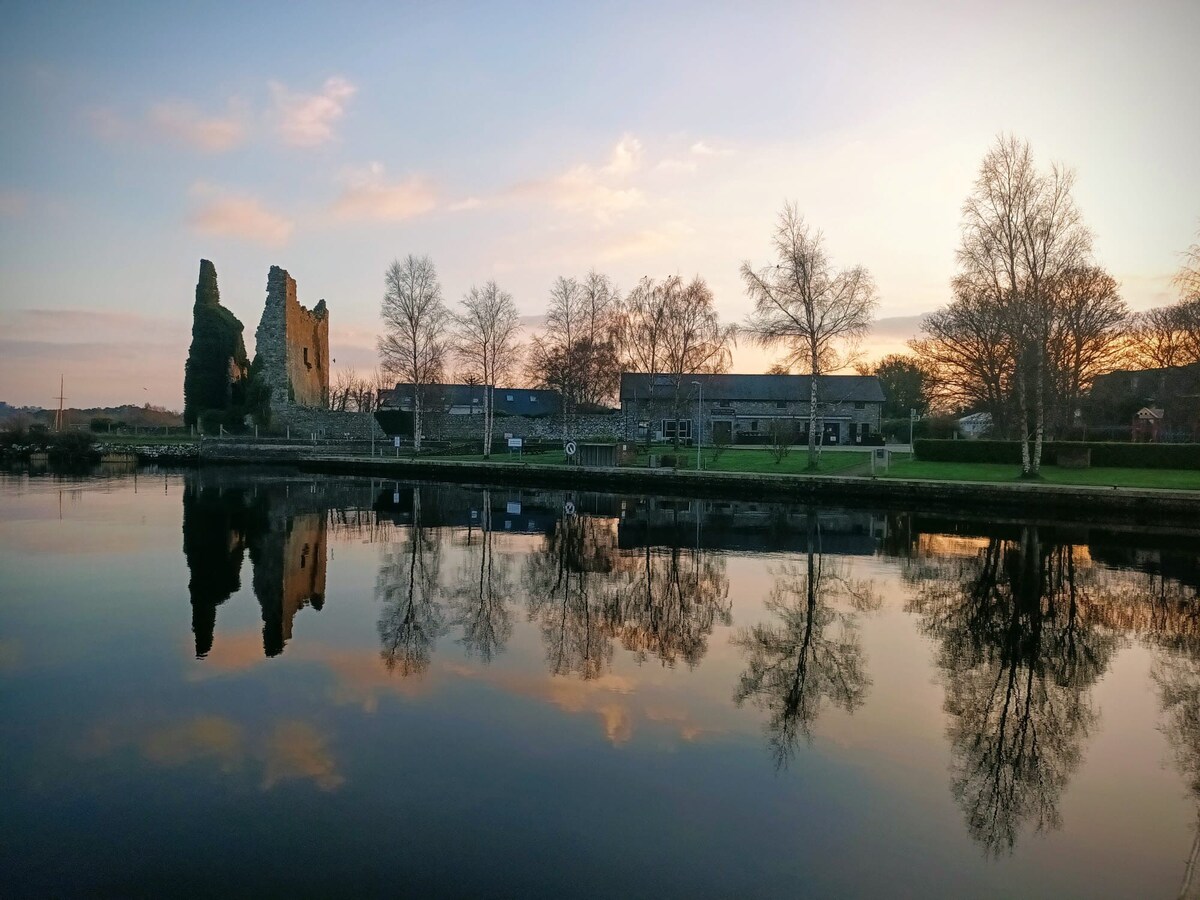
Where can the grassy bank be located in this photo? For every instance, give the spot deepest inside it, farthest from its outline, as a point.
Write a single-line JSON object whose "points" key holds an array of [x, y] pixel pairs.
{"points": [[1169, 479], [749, 461]]}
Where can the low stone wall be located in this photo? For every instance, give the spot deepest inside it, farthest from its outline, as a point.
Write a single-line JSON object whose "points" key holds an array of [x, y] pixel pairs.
{"points": [[325, 423], [601, 426]]}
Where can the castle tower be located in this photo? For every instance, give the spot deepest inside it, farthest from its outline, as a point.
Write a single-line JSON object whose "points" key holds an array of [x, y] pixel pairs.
{"points": [[292, 349]]}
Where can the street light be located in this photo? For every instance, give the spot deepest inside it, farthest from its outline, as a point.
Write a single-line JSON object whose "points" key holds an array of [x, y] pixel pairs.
{"points": [[699, 422]]}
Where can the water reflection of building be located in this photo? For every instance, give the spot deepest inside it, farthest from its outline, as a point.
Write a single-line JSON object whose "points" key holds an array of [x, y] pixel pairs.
{"points": [[510, 510], [736, 525], [281, 524]]}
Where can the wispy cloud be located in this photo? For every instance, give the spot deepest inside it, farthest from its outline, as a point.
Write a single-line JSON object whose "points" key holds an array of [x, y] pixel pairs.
{"points": [[703, 148], [370, 195], [307, 120], [184, 123], [238, 216], [599, 191], [647, 242], [175, 120]]}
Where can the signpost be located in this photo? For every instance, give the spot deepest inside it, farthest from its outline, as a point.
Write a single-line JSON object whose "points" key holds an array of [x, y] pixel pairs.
{"points": [[570, 447], [396, 443], [514, 443]]}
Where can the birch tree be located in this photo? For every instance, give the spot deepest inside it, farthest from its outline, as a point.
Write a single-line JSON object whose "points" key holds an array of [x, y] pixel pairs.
{"points": [[413, 345], [816, 312], [1021, 232], [486, 343]]}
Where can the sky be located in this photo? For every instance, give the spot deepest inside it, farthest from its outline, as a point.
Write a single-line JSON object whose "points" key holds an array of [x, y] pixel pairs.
{"points": [[538, 140]]}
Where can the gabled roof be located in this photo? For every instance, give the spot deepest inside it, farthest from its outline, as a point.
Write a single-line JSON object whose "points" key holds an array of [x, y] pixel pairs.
{"points": [[831, 388], [524, 402]]}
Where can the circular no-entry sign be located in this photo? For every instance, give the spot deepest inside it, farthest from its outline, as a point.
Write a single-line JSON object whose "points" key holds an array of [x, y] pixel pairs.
{"points": [[570, 448]]}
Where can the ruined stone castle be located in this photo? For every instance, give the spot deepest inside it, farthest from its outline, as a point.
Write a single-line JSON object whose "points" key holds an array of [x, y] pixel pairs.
{"points": [[292, 346], [287, 387]]}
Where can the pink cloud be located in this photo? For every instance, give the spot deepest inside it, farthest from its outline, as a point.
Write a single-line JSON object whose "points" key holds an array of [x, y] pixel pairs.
{"points": [[238, 216], [369, 195], [184, 123], [306, 120]]}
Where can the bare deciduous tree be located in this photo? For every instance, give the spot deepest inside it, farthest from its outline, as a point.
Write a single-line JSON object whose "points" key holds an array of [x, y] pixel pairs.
{"points": [[672, 328], [486, 344], [1021, 232], [816, 312], [969, 349], [343, 389], [576, 353], [413, 345], [1088, 321], [1166, 336], [1187, 279]]}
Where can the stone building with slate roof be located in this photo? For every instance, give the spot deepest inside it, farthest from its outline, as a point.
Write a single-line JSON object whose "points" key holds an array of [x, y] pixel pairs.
{"points": [[748, 409]]}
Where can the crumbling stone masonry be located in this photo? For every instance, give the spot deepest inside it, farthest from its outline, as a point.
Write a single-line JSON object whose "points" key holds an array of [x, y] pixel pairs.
{"points": [[292, 348]]}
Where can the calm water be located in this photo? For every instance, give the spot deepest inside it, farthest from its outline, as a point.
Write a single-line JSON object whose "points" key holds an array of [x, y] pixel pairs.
{"points": [[227, 683]]}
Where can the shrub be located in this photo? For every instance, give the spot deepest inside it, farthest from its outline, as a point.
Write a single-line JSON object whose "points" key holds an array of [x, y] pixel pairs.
{"points": [[668, 461], [70, 445]]}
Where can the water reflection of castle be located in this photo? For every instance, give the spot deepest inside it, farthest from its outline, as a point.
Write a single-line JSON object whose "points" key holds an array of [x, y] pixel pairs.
{"points": [[281, 525]]}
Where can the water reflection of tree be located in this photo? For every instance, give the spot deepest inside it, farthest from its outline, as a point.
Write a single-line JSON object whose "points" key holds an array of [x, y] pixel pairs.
{"points": [[660, 601], [479, 599], [408, 588], [566, 588], [1176, 674], [668, 600], [811, 654], [1019, 653]]}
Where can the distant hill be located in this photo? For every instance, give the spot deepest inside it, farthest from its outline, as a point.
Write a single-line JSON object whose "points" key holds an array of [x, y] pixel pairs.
{"points": [[127, 414]]}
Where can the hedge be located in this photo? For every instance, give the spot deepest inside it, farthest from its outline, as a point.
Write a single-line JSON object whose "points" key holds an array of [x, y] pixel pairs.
{"points": [[1104, 455]]}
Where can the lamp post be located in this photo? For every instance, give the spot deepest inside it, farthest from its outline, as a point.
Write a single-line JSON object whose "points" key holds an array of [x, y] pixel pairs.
{"points": [[699, 422], [912, 418]]}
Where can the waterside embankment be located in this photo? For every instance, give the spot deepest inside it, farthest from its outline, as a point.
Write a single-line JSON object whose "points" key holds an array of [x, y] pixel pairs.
{"points": [[1084, 504]]}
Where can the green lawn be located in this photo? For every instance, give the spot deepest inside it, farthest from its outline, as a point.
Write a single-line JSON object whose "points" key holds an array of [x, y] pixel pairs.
{"points": [[1176, 479], [760, 461]]}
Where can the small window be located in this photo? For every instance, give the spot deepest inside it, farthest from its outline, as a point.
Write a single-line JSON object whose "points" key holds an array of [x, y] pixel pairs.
{"points": [[509, 397], [306, 362], [866, 429], [859, 404], [533, 398], [754, 424]]}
